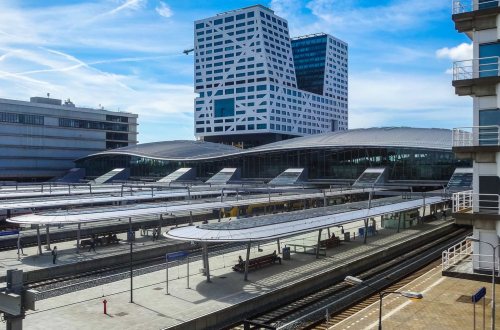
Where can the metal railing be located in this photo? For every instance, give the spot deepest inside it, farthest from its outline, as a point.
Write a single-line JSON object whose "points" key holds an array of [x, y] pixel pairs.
{"points": [[456, 254], [476, 68], [468, 201], [465, 6], [463, 252], [476, 136]]}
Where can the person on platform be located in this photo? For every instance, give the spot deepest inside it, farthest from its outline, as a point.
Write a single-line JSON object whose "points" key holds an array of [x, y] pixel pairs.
{"points": [[92, 243], [54, 255], [19, 243]]}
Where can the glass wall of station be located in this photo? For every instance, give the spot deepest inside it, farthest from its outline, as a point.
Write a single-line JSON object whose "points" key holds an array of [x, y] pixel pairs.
{"points": [[403, 163]]}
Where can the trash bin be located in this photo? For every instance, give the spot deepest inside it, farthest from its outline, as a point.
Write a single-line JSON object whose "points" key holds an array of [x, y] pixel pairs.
{"points": [[347, 236], [286, 253]]}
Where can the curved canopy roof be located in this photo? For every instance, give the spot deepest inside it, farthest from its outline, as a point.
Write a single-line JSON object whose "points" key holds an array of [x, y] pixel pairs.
{"points": [[426, 138], [407, 137], [293, 223], [174, 150]]}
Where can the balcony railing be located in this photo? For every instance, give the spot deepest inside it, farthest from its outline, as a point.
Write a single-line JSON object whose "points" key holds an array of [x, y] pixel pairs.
{"points": [[456, 254], [468, 202], [476, 136], [476, 68], [465, 6], [463, 253]]}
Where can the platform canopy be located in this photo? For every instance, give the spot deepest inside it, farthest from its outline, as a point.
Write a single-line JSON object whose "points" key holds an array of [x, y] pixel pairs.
{"points": [[137, 196], [141, 210], [294, 223]]}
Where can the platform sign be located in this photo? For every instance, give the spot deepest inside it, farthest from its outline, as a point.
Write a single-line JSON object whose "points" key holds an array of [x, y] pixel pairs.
{"points": [[176, 255], [173, 257], [476, 297], [10, 303], [479, 295]]}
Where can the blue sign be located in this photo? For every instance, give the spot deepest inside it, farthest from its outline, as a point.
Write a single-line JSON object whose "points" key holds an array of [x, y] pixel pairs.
{"points": [[9, 232], [479, 295], [177, 255]]}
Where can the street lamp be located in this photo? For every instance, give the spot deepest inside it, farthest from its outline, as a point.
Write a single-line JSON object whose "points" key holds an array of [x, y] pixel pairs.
{"points": [[407, 294], [494, 248]]}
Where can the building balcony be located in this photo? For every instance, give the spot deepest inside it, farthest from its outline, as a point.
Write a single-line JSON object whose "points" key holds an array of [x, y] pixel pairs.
{"points": [[460, 261], [468, 206], [476, 139], [477, 77], [471, 15]]}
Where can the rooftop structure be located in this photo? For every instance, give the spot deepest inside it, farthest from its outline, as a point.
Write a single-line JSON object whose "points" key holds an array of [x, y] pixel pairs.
{"points": [[256, 85], [42, 138]]}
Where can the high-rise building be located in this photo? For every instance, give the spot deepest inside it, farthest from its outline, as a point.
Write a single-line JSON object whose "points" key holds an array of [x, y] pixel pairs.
{"points": [[479, 78], [42, 138], [256, 85]]}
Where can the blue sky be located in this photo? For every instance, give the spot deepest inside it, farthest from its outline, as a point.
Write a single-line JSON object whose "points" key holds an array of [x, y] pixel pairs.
{"points": [[127, 55]]}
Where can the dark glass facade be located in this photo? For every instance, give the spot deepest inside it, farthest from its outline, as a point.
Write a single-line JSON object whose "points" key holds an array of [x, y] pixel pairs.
{"points": [[309, 57], [325, 163]]}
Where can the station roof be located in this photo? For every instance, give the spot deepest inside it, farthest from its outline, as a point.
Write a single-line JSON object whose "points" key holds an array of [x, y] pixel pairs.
{"points": [[408, 137], [294, 223], [175, 150], [426, 138]]}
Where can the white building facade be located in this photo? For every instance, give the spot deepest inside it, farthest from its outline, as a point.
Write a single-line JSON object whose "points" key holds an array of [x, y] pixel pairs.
{"points": [[479, 78], [256, 85], [42, 138]]}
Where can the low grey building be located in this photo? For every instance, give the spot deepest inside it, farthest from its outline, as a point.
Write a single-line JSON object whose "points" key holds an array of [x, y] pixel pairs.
{"points": [[40, 139]]}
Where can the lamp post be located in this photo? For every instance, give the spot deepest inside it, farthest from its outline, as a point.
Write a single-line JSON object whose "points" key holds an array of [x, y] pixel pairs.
{"points": [[494, 248], [407, 294]]}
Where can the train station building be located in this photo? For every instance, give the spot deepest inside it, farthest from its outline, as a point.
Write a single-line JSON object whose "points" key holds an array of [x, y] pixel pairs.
{"points": [[410, 154]]}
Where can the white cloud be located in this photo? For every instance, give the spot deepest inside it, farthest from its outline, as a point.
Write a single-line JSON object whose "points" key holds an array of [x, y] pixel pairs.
{"points": [[348, 15], [383, 98], [128, 5], [121, 62], [286, 8], [164, 10], [458, 53]]}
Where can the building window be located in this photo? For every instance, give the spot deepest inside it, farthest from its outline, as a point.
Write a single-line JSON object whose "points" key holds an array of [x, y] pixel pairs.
{"points": [[224, 107], [6, 117]]}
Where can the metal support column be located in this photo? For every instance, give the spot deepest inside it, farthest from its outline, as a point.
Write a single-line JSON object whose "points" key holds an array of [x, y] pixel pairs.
{"points": [[190, 218], [279, 246], [366, 230], [78, 238], [160, 224], [47, 237], [319, 243], [39, 240], [399, 221], [207, 263], [247, 260], [131, 267]]}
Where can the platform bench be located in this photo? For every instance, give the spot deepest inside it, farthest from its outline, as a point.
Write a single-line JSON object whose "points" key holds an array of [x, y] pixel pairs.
{"points": [[258, 262], [330, 242]]}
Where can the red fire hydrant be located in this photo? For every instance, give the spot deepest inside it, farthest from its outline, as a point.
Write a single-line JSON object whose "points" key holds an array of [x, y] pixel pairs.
{"points": [[104, 304]]}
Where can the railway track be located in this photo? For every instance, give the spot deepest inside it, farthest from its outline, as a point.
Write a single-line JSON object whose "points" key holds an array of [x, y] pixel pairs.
{"points": [[342, 300], [140, 267]]}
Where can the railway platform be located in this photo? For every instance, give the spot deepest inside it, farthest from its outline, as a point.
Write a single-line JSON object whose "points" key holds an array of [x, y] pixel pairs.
{"points": [[446, 306], [153, 308]]}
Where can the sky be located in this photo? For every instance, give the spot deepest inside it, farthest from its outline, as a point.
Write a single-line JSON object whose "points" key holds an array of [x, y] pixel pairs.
{"points": [[126, 55]]}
